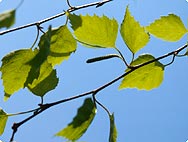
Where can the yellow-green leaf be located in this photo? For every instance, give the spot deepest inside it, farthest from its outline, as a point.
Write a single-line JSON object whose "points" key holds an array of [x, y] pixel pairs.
{"points": [[40, 58], [113, 130], [46, 81], [7, 18], [81, 121], [15, 69], [132, 33], [62, 45], [147, 77], [169, 28], [94, 31], [3, 121]]}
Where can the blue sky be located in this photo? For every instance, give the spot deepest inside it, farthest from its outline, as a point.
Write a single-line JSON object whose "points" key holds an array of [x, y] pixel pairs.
{"points": [[159, 115]]}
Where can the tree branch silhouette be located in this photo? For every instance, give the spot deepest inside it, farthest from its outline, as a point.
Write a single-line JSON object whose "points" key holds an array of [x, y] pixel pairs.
{"points": [[71, 9], [43, 107]]}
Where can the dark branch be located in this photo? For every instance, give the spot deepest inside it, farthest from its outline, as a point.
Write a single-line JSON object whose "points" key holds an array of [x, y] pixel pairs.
{"points": [[54, 17], [93, 92]]}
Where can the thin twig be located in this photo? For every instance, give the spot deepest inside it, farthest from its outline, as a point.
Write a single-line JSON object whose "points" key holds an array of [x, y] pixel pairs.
{"points": [[173, 58], [100, 104], [19, 5], [38, 31], [49, 105], [54, 17], [122, 57]]}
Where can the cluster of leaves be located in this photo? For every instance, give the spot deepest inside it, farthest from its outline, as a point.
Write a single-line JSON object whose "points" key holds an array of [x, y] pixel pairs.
{"points": [[34, 68]]}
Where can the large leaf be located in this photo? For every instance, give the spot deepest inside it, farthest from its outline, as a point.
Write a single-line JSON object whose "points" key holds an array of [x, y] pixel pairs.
{"points": [[62, 45], [147, 77], [46, 81], [7, 18], [3, 121], [169, 28], [132, 33], [94, 30], [81, 121], [113, 130], [15, 69]]}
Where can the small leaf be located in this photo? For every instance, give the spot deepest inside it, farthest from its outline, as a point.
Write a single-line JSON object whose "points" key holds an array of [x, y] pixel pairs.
{"points": [[62, 45], [81, 121], [3, 121], [132, 33], [46, 81], [15, 69], [94, 31], [113, 130], [147, 77], [169, 28], [7, 18]]}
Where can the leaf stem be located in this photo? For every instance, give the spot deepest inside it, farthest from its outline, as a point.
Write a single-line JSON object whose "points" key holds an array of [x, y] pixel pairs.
{"points": [[122, 57]]}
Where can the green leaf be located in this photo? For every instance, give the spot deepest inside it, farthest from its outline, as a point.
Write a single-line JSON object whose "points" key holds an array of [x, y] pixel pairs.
{"points": [[46, 81], [62, 45], [7, 18], [81, 121], [147, 77], [40, 58], [132, 33], [113, 130], [15, 69], [3, 121], [94, 31], [169, 28]]}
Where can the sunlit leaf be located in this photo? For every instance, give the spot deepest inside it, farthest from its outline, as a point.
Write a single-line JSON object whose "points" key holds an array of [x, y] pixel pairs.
{"points": [[46, 81], [132, 33], [113, 130], [7, 18], [40, 58], [147, 77], [94, 30], [15, 69], [3, 121], [62, 45], [81, 121], [169, 28]]}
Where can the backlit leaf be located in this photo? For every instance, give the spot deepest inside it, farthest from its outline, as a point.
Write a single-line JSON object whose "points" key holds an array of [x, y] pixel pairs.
{"points": [[113, 130], [7, 19], [46, 81], [15, 69], [62, 45], [81, 121], [94, 31], [169, 28], [3, 121], [40, 58], [147, 77], [132, 33]]}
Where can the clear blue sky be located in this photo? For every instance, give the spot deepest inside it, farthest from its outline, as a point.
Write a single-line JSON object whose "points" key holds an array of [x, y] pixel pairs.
{"points": [[159, 115]]}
